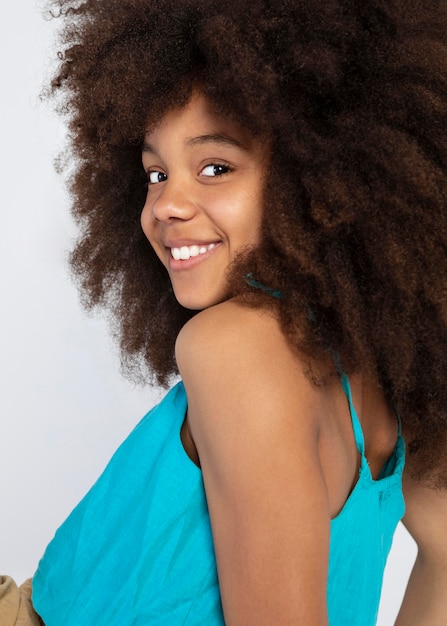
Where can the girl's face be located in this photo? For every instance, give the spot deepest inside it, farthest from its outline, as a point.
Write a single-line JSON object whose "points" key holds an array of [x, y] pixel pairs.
{"points": [[204, 200]]}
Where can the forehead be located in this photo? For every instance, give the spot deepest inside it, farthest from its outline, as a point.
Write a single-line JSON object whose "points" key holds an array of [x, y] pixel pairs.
{"points": [[197, 122]]}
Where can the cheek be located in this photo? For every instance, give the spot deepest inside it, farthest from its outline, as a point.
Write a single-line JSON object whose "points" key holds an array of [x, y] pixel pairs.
{"points": [[257, 216], [148, 225], [146, 222], [250, 218]]}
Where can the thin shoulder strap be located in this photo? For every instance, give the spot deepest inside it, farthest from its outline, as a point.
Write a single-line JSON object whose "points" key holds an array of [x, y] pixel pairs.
{"points": [[356, 426]]}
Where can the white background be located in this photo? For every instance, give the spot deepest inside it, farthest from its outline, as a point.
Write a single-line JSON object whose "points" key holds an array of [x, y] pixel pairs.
{"points": [[64, 407]]}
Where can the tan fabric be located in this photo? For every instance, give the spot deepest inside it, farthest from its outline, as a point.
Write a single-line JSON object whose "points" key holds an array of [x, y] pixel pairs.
{"points": [[16, 608]]}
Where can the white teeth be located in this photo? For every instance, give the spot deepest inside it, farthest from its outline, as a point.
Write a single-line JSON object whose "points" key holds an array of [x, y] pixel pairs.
{"points": [[186, 252]]}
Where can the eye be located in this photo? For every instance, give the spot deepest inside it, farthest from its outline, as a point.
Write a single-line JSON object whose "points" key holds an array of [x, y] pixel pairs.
{"points": [[156, 177], [215, 169]]}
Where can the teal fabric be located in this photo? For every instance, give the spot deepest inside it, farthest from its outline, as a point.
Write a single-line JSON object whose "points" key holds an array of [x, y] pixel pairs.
{"points": [[138, 549], [361, 535]]}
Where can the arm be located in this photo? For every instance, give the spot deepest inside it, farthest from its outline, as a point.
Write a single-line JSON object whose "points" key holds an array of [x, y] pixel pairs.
{"points": [[250, 411], [425, 601]]}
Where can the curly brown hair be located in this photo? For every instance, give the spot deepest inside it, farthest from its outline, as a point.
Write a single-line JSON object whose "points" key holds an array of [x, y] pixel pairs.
{"points": [[353, 98]]}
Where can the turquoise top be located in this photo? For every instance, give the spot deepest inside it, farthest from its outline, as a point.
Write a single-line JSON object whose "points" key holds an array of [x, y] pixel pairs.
{"points": [[138, 548]]}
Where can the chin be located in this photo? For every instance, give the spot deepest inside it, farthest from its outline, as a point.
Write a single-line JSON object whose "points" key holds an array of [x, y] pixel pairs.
{"points": [[194, 303]]}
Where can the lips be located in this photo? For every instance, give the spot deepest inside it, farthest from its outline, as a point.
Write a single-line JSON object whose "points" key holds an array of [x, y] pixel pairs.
{"points": [[184, 253]]}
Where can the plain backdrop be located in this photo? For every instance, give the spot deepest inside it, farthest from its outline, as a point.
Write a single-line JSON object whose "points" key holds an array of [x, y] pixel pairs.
{"points": [[64, 407]]}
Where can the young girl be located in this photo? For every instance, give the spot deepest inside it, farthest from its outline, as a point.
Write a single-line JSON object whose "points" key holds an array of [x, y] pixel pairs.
{"points": [[261, 192]]}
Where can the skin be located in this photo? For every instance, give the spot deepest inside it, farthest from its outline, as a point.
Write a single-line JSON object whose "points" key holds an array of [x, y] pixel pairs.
{"points": [[425, 601], [204, 189], [277, 453], [278, 460]]}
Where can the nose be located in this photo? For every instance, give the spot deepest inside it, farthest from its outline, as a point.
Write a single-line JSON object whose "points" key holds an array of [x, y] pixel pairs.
{"points": [[171, 201]]}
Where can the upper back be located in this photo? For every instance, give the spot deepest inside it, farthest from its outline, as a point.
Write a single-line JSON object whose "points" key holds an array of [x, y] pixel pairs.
{"points": [[263, 427], [255, 337]]}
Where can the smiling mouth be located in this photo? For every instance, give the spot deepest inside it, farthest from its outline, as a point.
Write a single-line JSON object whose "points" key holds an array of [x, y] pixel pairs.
{"points": [[186, 252]]}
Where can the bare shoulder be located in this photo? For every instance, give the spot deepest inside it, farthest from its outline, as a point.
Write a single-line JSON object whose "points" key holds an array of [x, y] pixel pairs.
{"points": [[251, 412], [239, 370], [226, 319], [232, 336], [233, 348]]}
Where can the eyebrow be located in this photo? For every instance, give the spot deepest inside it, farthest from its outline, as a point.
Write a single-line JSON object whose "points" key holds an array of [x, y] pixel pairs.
{"points": [[215, 138]]}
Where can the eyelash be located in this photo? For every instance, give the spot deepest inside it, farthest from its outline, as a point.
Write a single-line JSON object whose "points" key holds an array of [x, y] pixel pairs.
{"points": [[148, 181], [224, 168]]}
